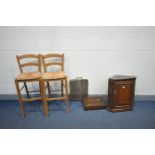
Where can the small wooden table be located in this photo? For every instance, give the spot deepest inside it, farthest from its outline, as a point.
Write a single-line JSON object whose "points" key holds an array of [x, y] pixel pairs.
{"points": [[93, 103]]}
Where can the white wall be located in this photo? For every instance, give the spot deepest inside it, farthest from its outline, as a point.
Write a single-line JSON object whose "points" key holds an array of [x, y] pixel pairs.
{"points": [[95, 53]]}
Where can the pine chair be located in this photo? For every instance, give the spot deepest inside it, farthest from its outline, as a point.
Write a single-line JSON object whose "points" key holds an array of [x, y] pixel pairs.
{"points": [[25, 77], [50, 60]]}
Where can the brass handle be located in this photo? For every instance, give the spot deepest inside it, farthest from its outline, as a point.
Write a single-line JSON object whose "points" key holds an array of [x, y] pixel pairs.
{"points": [[123, 87]]}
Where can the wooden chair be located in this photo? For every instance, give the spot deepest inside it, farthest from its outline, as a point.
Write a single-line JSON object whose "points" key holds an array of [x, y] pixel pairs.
{"points": [[49, 76], [28, 76]]}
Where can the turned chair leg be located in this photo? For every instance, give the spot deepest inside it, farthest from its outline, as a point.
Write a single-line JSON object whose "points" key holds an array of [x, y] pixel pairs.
{"points": [[26, 88], [44, 100], [49, 89], [20, 98], [22, 108], [67, 102], [62, 88]]}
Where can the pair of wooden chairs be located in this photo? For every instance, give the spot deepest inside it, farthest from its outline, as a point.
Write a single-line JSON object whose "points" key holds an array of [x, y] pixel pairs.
{"points": [[44, 78]]}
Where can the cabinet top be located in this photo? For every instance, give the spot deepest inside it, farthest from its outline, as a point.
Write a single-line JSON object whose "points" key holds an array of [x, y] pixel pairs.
{"points": [[122, 77]]}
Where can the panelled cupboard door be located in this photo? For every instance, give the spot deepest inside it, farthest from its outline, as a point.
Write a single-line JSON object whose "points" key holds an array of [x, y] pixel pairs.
{"points": [[123, 93]]}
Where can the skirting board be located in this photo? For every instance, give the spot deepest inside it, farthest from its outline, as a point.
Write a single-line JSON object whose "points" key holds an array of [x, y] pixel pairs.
{"points": [[137, 97]]}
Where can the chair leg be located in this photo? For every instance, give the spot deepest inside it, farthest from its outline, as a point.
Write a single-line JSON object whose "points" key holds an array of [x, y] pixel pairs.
{"points": [[40, 88], [22, 108], [49, 90], [62, 88], [45, 106], [67, 102], [26, 88], [20, 98]]}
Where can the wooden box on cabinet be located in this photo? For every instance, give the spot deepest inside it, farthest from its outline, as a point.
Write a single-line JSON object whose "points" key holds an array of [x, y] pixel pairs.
{"points": [[121, 93]]}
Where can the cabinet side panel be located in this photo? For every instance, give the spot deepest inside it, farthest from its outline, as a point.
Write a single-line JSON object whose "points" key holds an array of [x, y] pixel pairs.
{"points": [[110, 94]]}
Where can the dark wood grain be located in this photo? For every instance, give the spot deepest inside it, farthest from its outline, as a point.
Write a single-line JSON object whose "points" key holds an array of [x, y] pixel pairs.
{"points": [[121, 93]]}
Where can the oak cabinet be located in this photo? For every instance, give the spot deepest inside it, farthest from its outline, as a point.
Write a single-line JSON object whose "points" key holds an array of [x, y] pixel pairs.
{"points": [[121, 90]]}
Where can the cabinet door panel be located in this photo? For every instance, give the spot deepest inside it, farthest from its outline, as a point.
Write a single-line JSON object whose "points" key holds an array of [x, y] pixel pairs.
{"points": [[123, 94]]}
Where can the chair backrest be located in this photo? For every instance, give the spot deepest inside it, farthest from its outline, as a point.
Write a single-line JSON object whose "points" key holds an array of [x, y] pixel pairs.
{"points": [[54, 60], [35, 63]]}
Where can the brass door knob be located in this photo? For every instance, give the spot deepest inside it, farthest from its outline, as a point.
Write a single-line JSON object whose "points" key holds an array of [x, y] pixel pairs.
{"points": [[123, 87]]}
